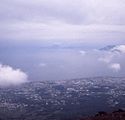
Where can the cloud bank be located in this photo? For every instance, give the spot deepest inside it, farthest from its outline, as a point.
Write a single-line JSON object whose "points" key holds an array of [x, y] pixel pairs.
{"points": [[10, 76]]}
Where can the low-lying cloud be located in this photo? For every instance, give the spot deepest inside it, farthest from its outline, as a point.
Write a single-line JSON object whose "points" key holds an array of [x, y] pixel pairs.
{"points": [[110, 55], [10, 76], [42, 65], [115, 67], [119, 48], [82, 52], [106, 58]]}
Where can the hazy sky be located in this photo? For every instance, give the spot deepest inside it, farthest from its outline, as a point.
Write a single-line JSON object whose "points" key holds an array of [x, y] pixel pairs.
{"points": [[84, 20], [85, 26]]}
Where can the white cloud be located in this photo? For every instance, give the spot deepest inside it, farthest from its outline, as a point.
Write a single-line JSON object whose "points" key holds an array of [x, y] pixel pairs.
{"points": [[42, 65], [120, 48], [106, 59], [82, 52], [109, 58], [10, 76], [115, 67], [106, 56], [111, 53]]}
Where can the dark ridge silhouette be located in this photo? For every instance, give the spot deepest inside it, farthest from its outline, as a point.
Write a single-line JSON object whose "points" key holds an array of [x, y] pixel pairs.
{"points": [[115, 115]]}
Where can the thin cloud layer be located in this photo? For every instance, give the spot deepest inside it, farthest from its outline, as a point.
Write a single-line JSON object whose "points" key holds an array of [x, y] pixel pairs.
{"points": [[10, 76], [115, 67]]}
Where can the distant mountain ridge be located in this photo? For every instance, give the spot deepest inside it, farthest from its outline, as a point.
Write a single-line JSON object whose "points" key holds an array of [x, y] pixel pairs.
{"points": [[114, 48], [107, 48]]}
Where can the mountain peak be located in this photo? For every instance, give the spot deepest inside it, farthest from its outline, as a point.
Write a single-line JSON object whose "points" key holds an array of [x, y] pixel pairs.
{"points": [[114, 48]]}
